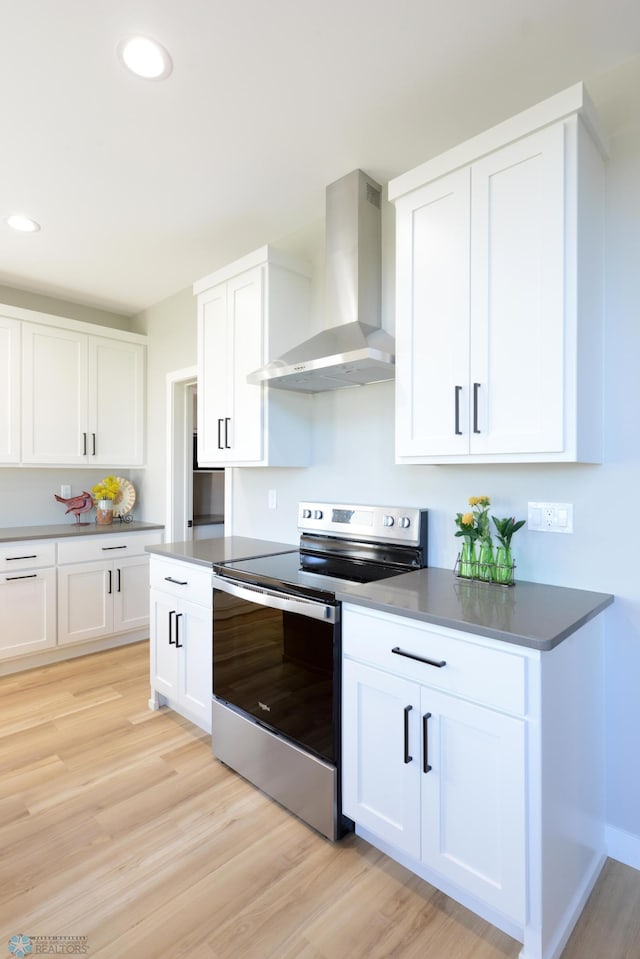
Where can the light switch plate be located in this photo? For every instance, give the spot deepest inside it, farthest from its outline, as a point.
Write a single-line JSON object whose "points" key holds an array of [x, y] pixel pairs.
{"points": [[550, 517], [65, 491]]}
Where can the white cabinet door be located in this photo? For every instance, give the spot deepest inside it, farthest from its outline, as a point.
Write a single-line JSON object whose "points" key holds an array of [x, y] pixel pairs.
{"points": [[381, 789], [473, 799], [116, 403], [193, 627], [230, 346], [130, 593], [214, 372], [245, 317], [54, 395], [27, 612], [164, 662], [9, 390], [432, 335], [85, 601], [517, 296]]}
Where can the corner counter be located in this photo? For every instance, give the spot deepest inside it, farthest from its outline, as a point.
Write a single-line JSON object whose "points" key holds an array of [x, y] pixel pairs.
{"points": [[224, 549], [15, 534], [527, 614]]}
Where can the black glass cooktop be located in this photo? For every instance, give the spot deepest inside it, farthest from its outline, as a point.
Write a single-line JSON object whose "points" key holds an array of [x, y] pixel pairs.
{"points": [[305, 573]]}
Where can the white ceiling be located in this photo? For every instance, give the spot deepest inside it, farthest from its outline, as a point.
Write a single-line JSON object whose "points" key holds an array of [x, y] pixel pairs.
{"points": [[142, 187]]}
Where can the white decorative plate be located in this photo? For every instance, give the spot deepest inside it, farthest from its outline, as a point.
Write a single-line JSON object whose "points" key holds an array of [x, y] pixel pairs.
{"points": [[125, 498]]}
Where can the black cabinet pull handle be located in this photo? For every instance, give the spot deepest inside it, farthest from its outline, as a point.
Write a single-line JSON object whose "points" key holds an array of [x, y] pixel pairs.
{"points": [[420, 659], [426, 768], [105, 548], [84, 444], [407, 757], [118, 590], [110, 584], [93, 448], [179, 645], [220, 446], [26, 576], [178, 582], [171, 614], [476, 387], [11, 559], [226, 432], [458, 390]]}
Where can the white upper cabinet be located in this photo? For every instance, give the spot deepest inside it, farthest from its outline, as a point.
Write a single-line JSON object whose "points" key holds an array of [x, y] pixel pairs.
{"points": [[249, 313], [82, 397], [499, 294], [9, 390]]}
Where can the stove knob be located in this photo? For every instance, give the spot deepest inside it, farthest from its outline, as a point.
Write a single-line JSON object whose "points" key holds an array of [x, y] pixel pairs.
{"points": [[388, 521], [317, 514], [404, 522], [306, 514]]}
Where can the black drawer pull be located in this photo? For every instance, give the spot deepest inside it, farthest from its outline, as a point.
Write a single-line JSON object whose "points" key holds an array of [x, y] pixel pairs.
{"points": [[407, 757], [11, 559], [26, 576], [420, 659], [105, 548], [426, 768], [178, 582]]}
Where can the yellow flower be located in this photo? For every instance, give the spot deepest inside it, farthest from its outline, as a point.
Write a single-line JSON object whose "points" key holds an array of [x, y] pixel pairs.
{"points": [[107, 489], [479, 501], [467, 519]]}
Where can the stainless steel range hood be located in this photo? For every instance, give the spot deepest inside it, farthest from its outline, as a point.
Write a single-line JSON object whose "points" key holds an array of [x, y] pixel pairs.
{"points": [[354, 350]]}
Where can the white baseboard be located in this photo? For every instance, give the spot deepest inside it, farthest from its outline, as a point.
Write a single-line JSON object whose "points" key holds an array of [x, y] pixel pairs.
{"points": [[623, 846]]}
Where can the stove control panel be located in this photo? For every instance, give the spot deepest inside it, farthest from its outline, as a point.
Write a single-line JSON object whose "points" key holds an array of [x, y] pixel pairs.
{"points": [[399, 524]]}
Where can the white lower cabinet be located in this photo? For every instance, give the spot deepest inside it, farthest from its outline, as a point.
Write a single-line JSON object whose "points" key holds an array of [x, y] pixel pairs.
{"points": [[439, 778], [181, 635], [27, 598], [103, 585], [478, 764]]}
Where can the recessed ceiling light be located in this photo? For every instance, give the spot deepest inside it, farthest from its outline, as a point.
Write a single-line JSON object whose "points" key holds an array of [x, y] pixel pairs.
{"points": [[145, 57], [18, 221]]}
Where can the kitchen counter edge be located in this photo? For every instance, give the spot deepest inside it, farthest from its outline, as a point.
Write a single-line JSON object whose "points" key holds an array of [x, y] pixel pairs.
{"points": [[15, 534], [528, 614]]}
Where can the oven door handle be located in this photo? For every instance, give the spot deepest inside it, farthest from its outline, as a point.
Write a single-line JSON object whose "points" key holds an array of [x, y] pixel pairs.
{"points": [[267, 597]]}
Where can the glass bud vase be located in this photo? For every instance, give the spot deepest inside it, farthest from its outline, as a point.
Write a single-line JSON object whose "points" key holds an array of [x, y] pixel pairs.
{"points": [[504, 566], [468, 562], [104, 512], [486, 566]]}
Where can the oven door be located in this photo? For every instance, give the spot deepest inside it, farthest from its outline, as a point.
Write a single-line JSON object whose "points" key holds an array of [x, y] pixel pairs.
{"points": [[276, 658]]}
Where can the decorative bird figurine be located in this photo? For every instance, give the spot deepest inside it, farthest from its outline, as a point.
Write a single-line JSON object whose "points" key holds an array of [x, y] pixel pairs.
{"points": [[77, 505]]}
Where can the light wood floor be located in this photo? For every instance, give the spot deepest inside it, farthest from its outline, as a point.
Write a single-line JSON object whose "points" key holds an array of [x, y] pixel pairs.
{"points": [[117, 824]]}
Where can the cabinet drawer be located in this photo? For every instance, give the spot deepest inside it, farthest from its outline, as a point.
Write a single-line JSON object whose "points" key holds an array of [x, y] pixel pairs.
{"points": [[27, 555], [82, 549], [488, 675], [187, 581]]}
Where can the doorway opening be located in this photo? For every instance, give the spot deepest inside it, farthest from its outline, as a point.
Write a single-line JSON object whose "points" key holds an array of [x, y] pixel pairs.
{"points": [[198, 501]]}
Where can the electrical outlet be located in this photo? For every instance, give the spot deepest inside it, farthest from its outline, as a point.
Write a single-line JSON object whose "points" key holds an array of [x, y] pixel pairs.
{"points": [[65, 491], [272, 499], [550, 517]]}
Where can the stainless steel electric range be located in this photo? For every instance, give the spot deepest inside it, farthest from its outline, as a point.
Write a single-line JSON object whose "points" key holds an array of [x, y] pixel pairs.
{"points": [[277, 651]]}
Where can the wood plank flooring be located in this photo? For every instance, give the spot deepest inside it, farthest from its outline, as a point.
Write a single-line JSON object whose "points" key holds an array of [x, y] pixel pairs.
{"points": [[117, 824]]}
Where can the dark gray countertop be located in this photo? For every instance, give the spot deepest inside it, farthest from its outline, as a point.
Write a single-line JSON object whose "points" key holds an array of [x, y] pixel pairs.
{"points": [[528, 614], [224, 549], [12, 534]]}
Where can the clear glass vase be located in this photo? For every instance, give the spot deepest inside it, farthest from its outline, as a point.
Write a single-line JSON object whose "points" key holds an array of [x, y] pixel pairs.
{"points": [[486, 564], [503, 569], [468, 561]]}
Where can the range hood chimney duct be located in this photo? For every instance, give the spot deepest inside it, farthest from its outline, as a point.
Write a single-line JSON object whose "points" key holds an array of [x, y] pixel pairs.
{"points": [[354, 350]]}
